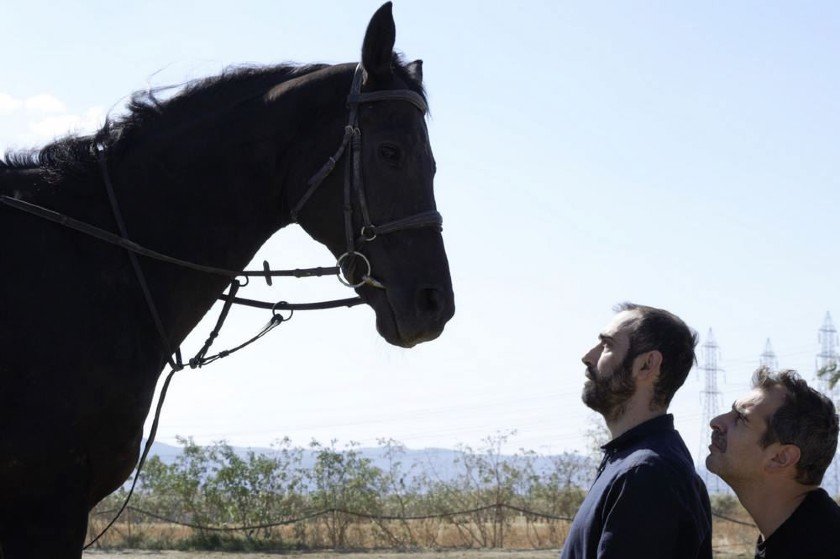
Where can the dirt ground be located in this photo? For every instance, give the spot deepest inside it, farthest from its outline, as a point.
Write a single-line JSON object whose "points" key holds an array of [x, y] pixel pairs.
{"points": [[465, 554]]}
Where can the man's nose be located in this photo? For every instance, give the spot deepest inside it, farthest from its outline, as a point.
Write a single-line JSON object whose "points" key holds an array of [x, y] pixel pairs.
{"points": [[589, 358]]}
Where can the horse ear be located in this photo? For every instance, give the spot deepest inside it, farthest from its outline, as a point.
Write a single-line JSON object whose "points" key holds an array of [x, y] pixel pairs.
{"points": [[378, 46], [415, 70]]}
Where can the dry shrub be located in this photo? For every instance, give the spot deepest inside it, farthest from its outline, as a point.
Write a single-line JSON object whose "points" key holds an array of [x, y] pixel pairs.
{"points": [[520, 533]]}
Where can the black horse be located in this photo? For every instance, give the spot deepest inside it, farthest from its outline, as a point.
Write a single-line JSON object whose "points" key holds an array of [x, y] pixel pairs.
{"points": [[206, 176]]}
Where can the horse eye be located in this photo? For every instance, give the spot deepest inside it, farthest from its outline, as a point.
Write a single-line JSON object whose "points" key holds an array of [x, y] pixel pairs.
{"points": [[390, 153]]}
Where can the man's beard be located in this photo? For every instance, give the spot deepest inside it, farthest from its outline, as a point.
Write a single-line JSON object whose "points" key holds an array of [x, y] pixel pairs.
{"points": [[609, 396]]}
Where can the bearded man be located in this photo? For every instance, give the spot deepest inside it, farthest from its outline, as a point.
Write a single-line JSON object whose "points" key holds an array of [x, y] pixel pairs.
{"points": [[647, 501]]}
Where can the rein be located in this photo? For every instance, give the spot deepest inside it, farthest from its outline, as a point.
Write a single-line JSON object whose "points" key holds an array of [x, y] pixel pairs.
{"points": [[131, 246]]}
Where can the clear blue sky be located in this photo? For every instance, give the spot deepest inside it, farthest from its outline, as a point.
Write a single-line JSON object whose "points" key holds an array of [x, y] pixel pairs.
{"points": [[679, 155]]}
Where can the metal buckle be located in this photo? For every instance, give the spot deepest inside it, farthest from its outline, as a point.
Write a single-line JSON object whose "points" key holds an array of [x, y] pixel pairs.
{"points": [[276, 316], [368, 233]]}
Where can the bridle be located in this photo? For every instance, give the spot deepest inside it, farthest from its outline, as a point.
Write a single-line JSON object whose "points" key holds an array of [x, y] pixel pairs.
{"points": [[351, 146], [353, 181]]}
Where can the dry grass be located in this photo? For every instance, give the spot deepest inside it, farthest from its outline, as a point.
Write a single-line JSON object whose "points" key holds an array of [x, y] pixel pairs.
{"points": [[519, 534], [732, 540]]}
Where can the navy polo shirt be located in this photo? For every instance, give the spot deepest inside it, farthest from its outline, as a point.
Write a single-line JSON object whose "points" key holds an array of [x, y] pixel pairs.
{"points": [[811, 532], [647, 501]]}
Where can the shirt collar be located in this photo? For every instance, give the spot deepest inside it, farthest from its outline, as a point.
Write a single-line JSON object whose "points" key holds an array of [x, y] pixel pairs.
{"points": [[658, 424]]}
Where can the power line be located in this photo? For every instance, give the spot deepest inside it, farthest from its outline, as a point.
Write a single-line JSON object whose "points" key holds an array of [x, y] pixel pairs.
{"points": [[768, 358], [827, 357], [710, 398]]}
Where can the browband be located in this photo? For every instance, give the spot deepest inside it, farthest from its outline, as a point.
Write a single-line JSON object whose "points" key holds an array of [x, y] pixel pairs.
{"points": [[396, 95]]}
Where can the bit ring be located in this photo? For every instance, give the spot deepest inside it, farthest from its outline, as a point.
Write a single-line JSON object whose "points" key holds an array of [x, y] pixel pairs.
{"points": [[340, 271]]}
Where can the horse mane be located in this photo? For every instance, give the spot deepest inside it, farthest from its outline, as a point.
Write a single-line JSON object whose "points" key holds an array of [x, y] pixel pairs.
{"points": [[75, 155]]}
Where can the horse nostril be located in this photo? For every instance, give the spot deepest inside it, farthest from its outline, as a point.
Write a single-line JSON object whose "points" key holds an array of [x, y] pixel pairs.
{"points": [[429, 301]]}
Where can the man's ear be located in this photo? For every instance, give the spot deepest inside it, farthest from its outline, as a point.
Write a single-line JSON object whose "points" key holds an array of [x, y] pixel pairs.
{"points": [[784, 459], [647, 364]]}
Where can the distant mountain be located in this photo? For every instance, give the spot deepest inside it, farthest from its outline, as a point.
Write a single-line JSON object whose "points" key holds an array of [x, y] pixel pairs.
{"points": [[166, 452], [439, 463]]}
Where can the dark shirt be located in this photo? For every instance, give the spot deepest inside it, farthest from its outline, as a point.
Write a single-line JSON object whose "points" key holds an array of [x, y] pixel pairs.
{"points": [[647, 501], [811, 532]]}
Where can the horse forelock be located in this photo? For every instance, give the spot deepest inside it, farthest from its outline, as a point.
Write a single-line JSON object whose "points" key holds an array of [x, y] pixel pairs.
{"points": [[402, 72]]}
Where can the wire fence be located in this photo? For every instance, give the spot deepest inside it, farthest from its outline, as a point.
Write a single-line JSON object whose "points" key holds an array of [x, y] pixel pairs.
{"points": [[499, 525], [335, 510]]}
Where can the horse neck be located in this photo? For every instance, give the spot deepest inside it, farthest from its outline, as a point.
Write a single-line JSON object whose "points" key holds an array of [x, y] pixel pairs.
{"points": [[216, 200]]}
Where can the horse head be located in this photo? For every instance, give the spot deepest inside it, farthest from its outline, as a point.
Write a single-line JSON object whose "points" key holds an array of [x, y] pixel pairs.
{"points": [[377, 214]]}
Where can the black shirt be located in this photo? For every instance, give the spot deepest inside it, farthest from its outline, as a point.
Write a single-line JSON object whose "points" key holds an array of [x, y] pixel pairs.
{"points": [[811, 532], [647, 501]]}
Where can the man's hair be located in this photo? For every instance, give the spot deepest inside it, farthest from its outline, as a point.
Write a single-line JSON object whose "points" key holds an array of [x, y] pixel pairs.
{"points": [[806, 419], [658, 329]]}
